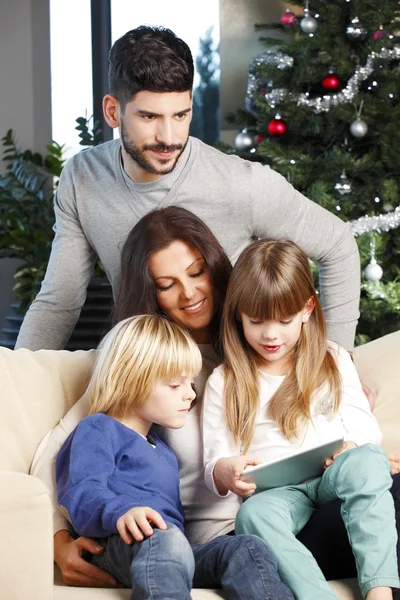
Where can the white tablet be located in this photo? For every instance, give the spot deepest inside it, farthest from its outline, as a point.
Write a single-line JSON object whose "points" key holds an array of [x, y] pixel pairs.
{"points": [[293, 469]]}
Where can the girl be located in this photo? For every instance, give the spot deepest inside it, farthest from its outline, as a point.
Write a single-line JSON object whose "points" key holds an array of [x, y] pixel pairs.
{"points": [[282, 389], [119, 483]]}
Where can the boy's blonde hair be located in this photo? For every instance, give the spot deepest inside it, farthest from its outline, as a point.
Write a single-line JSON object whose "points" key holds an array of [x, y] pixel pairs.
{"points": [[136, 354], [272, 280]]}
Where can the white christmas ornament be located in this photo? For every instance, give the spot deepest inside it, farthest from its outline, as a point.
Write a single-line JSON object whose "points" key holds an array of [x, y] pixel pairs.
{"points": [[373, 271], [308, 24], [358, 128], [355, 31], [343, 186], [245, 141]]}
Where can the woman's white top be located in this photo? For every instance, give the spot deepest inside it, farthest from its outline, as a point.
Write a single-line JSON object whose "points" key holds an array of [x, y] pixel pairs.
{"points": [[353, 421]]}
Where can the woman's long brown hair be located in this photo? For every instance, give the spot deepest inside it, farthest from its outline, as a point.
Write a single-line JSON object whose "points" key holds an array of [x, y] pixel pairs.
{"points": [[136, 292], [272, 280]]}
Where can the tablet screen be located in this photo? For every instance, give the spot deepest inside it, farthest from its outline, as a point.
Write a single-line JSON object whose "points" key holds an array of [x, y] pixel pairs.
{"points": [[293, 469]]}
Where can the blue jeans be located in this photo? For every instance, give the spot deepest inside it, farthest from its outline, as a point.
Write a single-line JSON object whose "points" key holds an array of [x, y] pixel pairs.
{"points": [[165, 566], [159, 568], [242, 566]]}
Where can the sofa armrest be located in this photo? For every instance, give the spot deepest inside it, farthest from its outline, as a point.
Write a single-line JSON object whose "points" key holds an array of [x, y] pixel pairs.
{"points": [[26, 546]]}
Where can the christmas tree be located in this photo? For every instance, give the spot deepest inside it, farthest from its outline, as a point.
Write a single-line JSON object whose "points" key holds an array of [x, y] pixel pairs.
{"points": [[323, 109]]}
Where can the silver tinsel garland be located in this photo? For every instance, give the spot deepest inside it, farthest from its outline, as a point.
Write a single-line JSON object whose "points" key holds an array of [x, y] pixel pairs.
{"points": [[377, 223], [269, 57], [320, 103]]}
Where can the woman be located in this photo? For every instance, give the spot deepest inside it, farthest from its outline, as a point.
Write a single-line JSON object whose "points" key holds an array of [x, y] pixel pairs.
{"points": [[172, 264]]}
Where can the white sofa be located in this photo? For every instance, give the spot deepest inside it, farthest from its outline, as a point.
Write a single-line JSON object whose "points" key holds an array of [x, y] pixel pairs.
{"points": [[36, 389]]}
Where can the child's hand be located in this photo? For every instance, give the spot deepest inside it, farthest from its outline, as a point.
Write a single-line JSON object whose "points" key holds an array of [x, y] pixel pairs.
{"points": [[346, 446], [394, 461], [137, 520], [227, 475]]}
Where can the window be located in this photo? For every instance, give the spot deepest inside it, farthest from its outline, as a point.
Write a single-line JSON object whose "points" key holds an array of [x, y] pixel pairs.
{"points": [[71, 69], [71, 58], [199, 28]]}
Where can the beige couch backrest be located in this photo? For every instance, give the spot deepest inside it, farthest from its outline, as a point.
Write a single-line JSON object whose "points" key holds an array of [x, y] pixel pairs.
{"points": [[36, 390], [378, 365]]}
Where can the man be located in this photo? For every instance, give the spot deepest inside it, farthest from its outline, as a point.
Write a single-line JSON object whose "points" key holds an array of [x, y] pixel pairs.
{"points": [[104, 191]]}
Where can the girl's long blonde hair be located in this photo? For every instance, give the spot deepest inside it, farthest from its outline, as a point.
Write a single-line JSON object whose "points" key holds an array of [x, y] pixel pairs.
{"points": [[136, 354], [272, 280]]}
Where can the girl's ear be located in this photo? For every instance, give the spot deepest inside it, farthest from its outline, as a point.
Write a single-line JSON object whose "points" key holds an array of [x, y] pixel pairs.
{"points": [[308, 308]]}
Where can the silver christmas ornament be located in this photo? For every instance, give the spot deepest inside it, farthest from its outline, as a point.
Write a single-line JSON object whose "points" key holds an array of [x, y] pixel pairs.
{"points": [[245, 141], [355, 31], [358, 128], [343, 186], [373, 271], [308, 24]]}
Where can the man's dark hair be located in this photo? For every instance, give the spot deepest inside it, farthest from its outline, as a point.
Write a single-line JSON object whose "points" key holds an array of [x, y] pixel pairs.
{"points": [[152, 59]]}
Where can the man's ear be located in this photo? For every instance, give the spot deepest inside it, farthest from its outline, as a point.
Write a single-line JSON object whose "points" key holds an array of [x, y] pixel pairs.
{"points": [[309, 307], [112, 111], [191, 106]]}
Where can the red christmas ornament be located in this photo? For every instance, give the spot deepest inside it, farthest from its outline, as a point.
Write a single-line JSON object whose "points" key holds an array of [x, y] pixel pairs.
{"points": [[260, 138], [331, 82], [277, 127], [379, 34], [288, 19]]}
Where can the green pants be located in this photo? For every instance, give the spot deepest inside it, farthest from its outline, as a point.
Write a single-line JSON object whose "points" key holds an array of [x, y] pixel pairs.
{"points": [[361, 478]]}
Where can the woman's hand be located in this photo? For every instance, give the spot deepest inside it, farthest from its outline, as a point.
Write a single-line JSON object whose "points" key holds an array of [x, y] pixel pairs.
{"points": [[75, 570], [137, 520], [346, 446], [227, 475]]}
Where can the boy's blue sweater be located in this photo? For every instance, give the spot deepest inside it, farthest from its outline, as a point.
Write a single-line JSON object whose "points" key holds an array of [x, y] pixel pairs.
{"points": [[104, 468]]}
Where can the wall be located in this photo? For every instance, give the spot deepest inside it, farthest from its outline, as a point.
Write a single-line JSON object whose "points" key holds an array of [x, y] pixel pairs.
{"points": [[24, 92], [25, 71], [239, 44]]}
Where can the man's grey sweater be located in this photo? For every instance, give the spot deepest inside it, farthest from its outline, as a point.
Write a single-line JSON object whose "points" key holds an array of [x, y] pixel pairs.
{"points": [[97, 205]]}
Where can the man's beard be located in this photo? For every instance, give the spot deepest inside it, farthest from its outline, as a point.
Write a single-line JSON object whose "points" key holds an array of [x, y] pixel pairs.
{"points": [[138, 154]]}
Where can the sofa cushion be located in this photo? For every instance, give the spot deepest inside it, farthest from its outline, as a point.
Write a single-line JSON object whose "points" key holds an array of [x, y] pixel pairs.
{"points": [[378, 365], [344, 590], [37, 388]]}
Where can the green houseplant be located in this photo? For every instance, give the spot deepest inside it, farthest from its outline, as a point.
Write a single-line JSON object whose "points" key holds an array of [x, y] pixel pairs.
{"points": [[27, 192], [26, 212]]}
